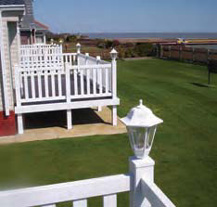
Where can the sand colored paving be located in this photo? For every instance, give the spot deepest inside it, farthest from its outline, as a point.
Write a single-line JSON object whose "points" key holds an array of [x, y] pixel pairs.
{"points": [[46, 126]]}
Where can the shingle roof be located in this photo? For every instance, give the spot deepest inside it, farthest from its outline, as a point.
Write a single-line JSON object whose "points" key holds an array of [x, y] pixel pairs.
{"points": [[11, 2]]}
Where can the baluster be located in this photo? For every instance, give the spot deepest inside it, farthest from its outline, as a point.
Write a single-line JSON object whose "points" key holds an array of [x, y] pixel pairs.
{"points": [[88, 81], [74, 59], [53, 88], [94, 81], [82, 81], [106, 80], [59, 83], [26, 85], [76, 81], [39, 84], [80, 203], [100, 80], [46, 83], [32, 81], [110, 201], [68, 88]]}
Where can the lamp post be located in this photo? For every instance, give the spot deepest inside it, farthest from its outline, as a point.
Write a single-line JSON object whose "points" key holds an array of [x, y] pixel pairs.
{"points": [[141, 125]]}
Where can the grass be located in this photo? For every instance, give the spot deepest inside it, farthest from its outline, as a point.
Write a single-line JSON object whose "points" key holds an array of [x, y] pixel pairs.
{"points": [[184, 148]]}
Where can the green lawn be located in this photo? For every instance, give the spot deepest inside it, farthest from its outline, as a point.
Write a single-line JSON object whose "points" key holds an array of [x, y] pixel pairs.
{"points": [[184, 148]]}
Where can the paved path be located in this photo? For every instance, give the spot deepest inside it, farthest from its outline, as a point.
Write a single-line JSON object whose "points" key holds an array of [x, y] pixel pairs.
{"points": [[99, 124]]}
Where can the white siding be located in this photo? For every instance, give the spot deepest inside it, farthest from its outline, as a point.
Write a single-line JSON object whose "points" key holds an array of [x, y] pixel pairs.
{"points": [[9, 17]]}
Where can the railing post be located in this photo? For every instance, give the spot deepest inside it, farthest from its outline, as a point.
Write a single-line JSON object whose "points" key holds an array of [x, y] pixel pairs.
{"points": [[98, 58], [86, 58], [18, 100], [140, 168], [68, 97], [78, 46], [114, 84]]}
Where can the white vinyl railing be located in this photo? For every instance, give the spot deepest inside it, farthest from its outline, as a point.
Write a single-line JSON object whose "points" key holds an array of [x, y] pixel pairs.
{"points": [[77, 192], [144, 194], [40, 49], [46, 74], [87, 60], [53, 61], [57, 83]]}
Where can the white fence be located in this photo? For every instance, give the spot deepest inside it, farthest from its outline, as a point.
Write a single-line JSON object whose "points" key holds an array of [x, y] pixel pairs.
{"points": [[142, 194]]}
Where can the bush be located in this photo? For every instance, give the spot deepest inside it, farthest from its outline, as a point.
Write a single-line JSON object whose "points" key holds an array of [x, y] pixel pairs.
{"points": [[144, 49]]}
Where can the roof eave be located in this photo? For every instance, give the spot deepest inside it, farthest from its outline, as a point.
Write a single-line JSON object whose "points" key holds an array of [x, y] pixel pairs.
{"points": [[37, 29], [12, 7]]}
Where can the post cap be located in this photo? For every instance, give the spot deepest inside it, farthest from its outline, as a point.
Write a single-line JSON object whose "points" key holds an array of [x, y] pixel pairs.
{"points": [[141, 116]]}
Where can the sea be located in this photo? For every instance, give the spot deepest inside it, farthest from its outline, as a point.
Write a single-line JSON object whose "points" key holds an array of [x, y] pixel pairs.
{"points": [[157, 36], [139, 35]]}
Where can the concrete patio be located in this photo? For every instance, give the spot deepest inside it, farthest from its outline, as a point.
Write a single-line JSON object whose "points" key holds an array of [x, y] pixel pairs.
{"points": [[52, 125]]}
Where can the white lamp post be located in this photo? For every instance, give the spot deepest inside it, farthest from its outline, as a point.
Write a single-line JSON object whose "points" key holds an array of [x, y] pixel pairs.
{"points": [[141, 125]]}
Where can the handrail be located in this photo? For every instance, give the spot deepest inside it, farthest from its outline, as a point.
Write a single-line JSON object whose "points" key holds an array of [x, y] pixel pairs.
{"points": [[78, 190], [154, 194], [93, 59], [56, 54]]}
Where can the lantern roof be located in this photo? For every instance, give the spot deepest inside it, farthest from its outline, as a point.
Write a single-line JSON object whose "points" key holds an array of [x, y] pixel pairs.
{"points": [[141, 116], [113, 51], [78, 45]]}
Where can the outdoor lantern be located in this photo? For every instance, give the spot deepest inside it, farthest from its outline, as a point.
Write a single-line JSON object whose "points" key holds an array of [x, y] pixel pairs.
{"points": [[114, 54], [141, 125]]}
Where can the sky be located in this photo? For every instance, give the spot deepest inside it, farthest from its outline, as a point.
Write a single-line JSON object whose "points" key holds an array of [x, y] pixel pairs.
{"points": [[115, 16]]}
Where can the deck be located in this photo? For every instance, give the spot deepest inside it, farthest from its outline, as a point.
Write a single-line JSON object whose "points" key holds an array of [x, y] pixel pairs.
{"points": [[54, 82]]}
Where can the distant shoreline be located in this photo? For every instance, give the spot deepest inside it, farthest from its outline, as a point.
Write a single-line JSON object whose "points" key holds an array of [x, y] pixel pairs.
{"points": [[151, 36]]}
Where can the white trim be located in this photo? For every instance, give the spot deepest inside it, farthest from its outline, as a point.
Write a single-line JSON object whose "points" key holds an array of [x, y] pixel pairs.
{"points": [[20, 124], [12, 6], [4, 91], [66, 106]]}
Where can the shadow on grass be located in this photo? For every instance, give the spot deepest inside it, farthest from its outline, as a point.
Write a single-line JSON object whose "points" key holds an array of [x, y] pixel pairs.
{"points": [[201, 85], [58, 118]]}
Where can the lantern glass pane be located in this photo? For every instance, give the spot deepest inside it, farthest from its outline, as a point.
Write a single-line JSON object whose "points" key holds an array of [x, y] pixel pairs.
{"points": [[141, 140], [150, 137]]}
